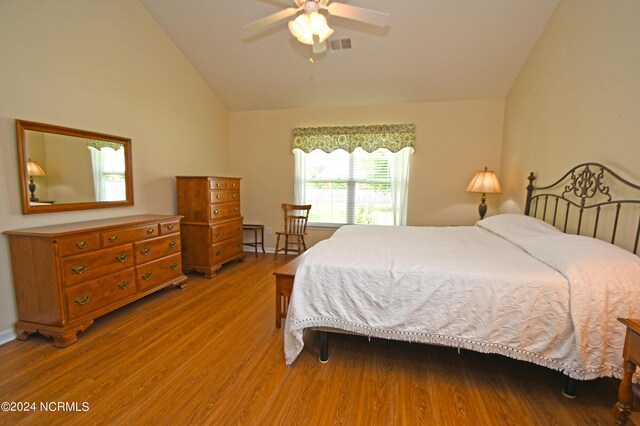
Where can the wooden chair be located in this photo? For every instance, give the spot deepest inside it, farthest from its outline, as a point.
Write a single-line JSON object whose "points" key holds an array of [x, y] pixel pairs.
{"points": [[295, 226]]}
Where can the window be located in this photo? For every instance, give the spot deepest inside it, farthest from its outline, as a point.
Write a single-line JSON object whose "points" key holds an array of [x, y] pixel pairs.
{"points": [[107, 161], [345, 183], [113, 175]]}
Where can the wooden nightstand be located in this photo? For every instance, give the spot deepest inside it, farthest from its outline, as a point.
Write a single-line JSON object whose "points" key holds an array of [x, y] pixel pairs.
{"points": [[631, 355], [284, 285]]}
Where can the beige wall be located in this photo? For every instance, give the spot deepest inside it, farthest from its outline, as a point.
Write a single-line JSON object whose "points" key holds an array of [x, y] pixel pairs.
{"points": [[577, 99], [103, 66], [69, 170], [453, 141]]}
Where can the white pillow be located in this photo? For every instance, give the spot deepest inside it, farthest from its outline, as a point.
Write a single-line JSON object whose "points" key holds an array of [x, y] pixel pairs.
{"points": [[566, 252], [516, 226]]}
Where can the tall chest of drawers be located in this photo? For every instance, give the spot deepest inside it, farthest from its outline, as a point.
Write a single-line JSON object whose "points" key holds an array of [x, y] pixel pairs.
{"points": [[211, 223], [67, 275]]}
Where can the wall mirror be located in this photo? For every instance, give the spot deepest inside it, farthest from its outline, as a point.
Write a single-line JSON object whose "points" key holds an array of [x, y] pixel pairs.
{"points": [[65, 169]]}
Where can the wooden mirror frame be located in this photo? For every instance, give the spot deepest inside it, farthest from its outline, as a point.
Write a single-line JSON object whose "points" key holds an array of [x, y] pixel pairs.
{"points": [[22, 126]]}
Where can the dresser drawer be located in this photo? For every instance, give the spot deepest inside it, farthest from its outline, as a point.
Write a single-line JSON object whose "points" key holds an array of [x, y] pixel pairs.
{"points": [[159, 271], [148, 250], [128, 235], [87, 297], [224, 211], [220, 252], [233, 195], [79, 244], [88, 266], [217, 196], [169, 228], [221, 195], [233, 183], [226, 230], [215, 183]]}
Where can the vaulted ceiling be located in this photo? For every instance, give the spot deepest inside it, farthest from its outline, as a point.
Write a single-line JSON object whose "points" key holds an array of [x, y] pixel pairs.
{"points": [[432, 50]]}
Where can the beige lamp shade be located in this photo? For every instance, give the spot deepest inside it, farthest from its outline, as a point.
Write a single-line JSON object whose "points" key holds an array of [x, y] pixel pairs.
{"points": [[34, 169], [485, 182]]}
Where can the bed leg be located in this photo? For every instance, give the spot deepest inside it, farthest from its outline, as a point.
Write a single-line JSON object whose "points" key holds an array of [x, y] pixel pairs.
{"points": [[324, 347], [569, 389]]}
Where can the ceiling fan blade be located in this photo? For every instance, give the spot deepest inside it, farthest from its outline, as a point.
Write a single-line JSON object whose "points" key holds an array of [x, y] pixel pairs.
{"points": [[361, 14], [271, 19]]}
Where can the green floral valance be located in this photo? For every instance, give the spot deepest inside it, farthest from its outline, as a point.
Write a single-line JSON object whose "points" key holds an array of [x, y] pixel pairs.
{"points": [[93, 143], [394, 137]]}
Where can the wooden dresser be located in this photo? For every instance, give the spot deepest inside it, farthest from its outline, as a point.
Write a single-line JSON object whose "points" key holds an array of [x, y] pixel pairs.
{"points": [[211, 223], [67, 275]]}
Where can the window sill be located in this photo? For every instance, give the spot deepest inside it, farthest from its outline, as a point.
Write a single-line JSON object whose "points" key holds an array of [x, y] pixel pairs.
{"points": [[321, 226]]}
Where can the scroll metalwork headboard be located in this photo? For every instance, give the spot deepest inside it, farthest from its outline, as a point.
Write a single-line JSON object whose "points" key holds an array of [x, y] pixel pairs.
{"points": [[586, 190]]}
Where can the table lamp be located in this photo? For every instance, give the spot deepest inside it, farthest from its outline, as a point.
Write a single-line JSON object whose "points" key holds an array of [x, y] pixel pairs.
{"points": [[33, 169], [485, 182]]}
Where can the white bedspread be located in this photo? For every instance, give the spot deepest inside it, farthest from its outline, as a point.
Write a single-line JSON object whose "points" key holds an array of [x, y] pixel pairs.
{"points": [[471, 288]]}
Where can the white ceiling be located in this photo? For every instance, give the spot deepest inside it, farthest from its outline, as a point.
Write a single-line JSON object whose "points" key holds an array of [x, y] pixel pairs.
{"points": [[433, 50]]}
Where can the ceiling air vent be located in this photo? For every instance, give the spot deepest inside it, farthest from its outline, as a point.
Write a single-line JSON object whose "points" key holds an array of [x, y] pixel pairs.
{"points": [[341, 44]]}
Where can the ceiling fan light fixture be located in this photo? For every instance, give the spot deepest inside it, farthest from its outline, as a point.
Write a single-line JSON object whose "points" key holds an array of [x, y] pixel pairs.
{"points": [[311, 27], [325, 34], [317, 23], [305, 26], [298, 26], [307, 38]]}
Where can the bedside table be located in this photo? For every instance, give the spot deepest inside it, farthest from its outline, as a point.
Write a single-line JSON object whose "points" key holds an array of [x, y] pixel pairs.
{"points": [[284, 285], [631, 355]]}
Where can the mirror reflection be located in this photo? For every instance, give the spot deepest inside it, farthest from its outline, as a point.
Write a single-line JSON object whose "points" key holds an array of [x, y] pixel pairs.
{"points": [[69, 169]]}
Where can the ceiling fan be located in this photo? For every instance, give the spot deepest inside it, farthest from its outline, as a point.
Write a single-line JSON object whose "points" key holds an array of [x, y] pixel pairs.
{"points": [[310, 27]]}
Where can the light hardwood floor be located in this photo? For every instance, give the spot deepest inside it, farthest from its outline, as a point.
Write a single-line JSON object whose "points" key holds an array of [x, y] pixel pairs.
{"points": [[209, 354]]}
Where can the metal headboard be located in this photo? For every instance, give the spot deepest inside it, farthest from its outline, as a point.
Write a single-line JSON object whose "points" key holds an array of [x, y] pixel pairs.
{"points": [[585, 187]]}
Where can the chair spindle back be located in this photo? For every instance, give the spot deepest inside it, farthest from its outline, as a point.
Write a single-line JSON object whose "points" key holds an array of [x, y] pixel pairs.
{"points": [[295, 218]]}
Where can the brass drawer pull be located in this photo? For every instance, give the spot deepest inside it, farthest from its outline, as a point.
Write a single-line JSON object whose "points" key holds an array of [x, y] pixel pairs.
{"points": [[150, 231], [173, 244], [173, 266], [218, 184], [234, 196], [82, 300], [81, 244], [219, 197], [124, 284], [147, 276], [79, 269], [216, 212], [218, 234], [169, 227], [122, 257], [233, 185], [236, 209], [113, 238], [218, 253], [145, 251]]}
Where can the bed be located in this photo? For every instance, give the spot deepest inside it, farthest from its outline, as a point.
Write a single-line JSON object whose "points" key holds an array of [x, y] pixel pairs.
{"points": [[513, 284]]}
